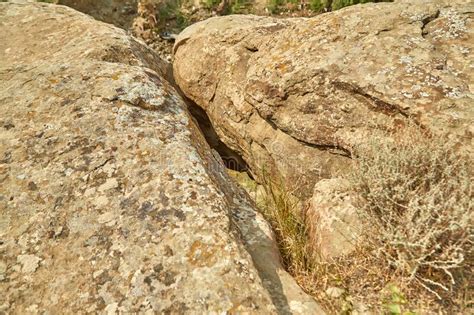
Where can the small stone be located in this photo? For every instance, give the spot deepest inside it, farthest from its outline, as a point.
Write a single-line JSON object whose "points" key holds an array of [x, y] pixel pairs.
{"points": [[111, 308], [101, 201]]}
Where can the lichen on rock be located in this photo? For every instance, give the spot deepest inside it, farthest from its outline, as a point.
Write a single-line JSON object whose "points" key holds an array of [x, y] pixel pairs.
{"points": [[110, 198]]}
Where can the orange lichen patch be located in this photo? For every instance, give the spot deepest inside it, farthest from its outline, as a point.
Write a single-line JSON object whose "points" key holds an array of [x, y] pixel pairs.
{"points": [[202, 255], [284, 67]]}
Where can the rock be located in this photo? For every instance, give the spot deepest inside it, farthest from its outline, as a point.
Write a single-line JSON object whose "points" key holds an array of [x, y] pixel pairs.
{"points": [[118, 12], [105, 178], [333, 223], [296, 95]]}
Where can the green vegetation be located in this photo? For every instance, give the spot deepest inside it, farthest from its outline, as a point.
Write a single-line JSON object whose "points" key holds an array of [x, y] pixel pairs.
{"points": [[318, 5], [395, 303], [239, 6], [212, 3], [230, 7], [276, 6], [338, 4], [171, 11]]}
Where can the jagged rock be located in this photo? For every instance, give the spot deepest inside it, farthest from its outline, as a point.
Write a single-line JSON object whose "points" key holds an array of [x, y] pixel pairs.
{"points": [[110, 198], [296, 95]]}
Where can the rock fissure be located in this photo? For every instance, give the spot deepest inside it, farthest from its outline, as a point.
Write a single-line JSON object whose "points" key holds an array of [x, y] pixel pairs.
{"points": [[378, 104], [428, 20], [330, 148], [232, 160]]}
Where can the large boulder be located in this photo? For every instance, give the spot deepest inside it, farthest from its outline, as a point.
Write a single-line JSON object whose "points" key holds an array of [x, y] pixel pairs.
{"points": [[110, 198], [118, 12], [296, 95]]}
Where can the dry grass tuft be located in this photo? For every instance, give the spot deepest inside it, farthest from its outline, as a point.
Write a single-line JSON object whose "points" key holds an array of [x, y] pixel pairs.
{"points": [[281, 209]]}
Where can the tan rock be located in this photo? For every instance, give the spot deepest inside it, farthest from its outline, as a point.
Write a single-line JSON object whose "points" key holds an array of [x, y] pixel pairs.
{"points": [[106, 179], [332, 217], [296, 95], [118, 12]]}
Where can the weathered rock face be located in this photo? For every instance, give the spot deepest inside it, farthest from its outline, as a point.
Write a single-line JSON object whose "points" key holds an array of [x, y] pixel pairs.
{"points": [[118, 12], [110, 199], [334, 224], [298, 94]]}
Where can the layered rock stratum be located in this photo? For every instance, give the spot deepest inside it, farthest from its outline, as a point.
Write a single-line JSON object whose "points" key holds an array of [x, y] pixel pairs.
{"points": [[110, 198]]}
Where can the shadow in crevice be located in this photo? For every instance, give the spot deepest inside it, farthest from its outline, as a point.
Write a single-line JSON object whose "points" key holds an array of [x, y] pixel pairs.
{"points": [[282, 288], [232, 160], [262, 249]]}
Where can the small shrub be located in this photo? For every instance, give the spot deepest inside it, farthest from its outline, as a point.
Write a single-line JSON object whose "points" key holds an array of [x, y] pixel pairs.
{"points": [[318, 5], [274, 5], [212, 3], [417, 196], [239, 6]]}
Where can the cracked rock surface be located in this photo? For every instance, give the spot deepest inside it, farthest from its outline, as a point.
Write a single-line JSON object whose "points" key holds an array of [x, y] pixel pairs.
{"points": [[110, 198], [296, 95]]}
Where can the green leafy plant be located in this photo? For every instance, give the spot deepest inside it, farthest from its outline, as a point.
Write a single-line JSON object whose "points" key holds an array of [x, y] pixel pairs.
{"points": [[396, 303], [338, 4], [274, 5], [318, 5], [212, 3], [239, 6]]}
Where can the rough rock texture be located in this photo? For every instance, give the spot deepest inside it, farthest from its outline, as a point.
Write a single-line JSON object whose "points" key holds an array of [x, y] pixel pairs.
{"points": [[110, 198], [332, 212], [296, 95], [118, 12]]}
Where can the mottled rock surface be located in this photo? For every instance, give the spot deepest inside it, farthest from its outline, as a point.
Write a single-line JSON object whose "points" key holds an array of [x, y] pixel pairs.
{"points": [[110, 198], [118, 12], [296, 95], [335, 225]]}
